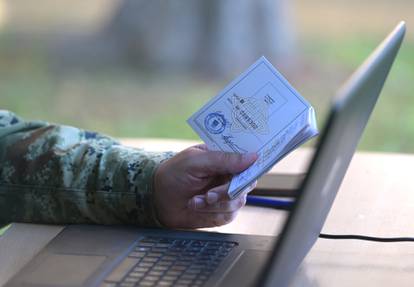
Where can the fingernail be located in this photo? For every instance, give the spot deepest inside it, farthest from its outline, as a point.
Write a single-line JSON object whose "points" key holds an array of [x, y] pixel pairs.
{"points": [[198, 203], [212, 197]]}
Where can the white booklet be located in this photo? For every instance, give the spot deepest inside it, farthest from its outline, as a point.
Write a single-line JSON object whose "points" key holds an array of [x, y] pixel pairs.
{"points": [[258, 112]]}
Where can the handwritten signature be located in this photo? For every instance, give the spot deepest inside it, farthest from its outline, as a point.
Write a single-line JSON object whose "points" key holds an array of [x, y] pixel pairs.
{"points": [[228, 140]]}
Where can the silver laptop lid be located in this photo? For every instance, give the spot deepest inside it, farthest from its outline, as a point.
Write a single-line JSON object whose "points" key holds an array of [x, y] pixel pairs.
{"points": [[349, 115]]}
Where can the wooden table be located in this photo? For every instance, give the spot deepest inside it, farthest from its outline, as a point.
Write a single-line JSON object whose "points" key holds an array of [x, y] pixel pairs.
{"points": [[376, 198]]}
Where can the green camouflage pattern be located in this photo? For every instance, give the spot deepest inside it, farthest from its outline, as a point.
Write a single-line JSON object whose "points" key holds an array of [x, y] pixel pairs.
{"points": [[59, 174]]}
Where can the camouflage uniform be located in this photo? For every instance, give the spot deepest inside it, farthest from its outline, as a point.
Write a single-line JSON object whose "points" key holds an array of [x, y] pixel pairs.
{"points": [[60, 174]]}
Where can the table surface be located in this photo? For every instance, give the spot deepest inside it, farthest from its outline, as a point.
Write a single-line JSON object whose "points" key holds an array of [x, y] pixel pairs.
{"points": [[376, 198]]}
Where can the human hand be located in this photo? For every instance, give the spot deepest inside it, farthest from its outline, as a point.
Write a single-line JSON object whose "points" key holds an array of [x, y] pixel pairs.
{"points": [[190, 189]]}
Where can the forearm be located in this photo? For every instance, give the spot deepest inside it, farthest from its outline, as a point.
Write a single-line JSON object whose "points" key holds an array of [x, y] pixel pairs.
{"points": [[59, 174]]}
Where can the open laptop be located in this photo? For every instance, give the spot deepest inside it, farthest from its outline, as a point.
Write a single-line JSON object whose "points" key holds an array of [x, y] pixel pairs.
{"points": [[127, 256]]}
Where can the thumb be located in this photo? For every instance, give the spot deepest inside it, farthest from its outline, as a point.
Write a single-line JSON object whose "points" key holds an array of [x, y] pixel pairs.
{"points": [[215, 162]]}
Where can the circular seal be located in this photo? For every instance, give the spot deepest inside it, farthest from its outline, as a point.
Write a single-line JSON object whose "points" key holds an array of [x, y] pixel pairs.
{"points": [[215, 123]]}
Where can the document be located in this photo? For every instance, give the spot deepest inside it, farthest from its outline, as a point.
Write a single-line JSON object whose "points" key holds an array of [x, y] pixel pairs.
{"points": [[257, 112]]}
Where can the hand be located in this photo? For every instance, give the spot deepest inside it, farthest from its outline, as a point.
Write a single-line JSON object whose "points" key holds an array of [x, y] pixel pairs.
{"points": [[190, 189]]}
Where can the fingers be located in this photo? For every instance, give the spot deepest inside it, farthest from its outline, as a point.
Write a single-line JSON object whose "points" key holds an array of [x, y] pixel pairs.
{"points": [[220, 193], [214, 195], [199, 204], [217, 214], [225, 206], [217, 197], [217, 193], [215, 162]]}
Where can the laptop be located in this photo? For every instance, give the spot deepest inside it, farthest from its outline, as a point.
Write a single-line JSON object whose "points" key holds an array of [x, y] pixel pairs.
{"points": [[104, 256]]}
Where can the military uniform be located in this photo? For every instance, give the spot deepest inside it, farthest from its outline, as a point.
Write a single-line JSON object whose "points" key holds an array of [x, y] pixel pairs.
{"points": [[60, 174]]}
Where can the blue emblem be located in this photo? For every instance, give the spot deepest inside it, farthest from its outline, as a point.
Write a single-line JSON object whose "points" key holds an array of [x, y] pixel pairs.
{"points": [[215, 123]]}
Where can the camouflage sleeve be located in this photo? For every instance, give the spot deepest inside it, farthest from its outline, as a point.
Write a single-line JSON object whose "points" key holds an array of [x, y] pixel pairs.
{"points": [[60, 175]]}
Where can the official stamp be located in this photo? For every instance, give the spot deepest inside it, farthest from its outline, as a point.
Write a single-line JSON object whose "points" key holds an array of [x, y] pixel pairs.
{"points": [[215, 123]]}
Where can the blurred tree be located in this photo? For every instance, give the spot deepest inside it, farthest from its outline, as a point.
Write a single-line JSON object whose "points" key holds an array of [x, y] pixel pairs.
{"points": [[214, 36]]}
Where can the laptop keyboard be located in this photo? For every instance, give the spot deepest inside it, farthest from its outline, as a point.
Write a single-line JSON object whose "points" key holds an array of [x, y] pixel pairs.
{"points": [[157, 261]]}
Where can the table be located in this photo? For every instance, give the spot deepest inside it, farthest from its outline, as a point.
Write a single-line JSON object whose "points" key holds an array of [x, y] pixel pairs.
{"points": [[376, 198]]}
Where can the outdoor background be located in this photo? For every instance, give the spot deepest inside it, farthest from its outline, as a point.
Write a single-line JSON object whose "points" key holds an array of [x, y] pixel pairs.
{"points": [[141, 68]]}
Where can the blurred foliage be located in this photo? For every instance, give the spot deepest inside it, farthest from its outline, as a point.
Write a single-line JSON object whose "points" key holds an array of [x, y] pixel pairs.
{"points": [[391, 127], [124, 102], [4, 229]]}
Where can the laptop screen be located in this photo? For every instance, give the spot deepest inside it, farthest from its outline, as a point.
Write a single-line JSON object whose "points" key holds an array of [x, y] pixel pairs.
{"points": [[348, 117]]}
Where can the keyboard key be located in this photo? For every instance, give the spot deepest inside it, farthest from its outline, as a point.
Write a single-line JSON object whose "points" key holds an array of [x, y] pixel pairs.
{"points": [[149, 239], [208, 252], [198, 243], [165, 263], [173, 253], [140, 269], [173, 262], [182, 242], [146, 244], [204, 258], [193, 249], [177, 248], [214, 244], [147, 283], [154, 254], [169, 258], [184, 281], [137, 274], [162, 245], [137, 254], [188, 276], [183, 263], [155, 273], [159, 249], [169, 277], [160, 268], [150, 259], [165, 283], [152, 278], [145, 264], [167, 240], [142, 248], [178, 268], [193, 271], [173, 273]]}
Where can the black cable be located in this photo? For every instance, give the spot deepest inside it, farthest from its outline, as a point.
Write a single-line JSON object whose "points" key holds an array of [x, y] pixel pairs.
{"points": [[368, 238]]}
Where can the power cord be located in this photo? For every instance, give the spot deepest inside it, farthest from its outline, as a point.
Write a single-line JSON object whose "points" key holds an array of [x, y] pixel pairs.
{"points": [[368, 238], [286, 204]]}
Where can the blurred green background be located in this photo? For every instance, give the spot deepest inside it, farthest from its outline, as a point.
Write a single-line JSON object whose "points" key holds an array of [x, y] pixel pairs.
{"points": [[57, 64]]}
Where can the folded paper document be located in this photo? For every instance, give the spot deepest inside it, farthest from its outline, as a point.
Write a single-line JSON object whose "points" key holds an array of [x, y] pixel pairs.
{"points": [[258, 112]]}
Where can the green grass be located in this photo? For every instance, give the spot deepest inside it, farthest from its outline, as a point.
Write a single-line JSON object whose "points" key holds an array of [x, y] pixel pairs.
{"points": [[391, 127], [4, 229]]}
